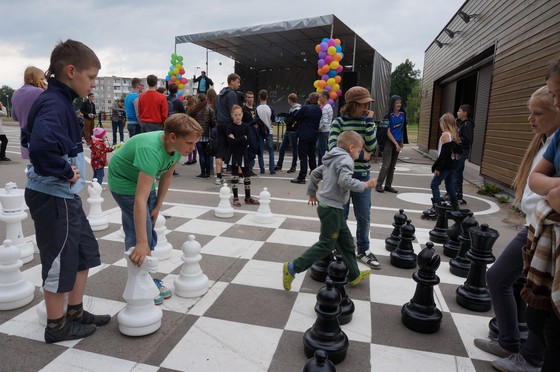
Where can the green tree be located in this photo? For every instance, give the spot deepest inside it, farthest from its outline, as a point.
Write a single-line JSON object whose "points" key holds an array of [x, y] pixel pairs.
{"points": [[6, 97], [402, 81], [413, 102]]}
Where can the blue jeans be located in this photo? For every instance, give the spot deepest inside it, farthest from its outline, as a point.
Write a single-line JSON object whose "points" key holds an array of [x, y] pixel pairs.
{"points": [[449, 178], [291, 139], [362, 206], [205, 159], [270, 144], [120, 126], [459, 173], [99, 174], [322, 143], [133, 129], [126, 203]]}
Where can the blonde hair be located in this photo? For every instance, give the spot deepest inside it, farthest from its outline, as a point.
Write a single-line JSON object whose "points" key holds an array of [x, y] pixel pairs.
{"points": [[34, 76], [182, 125], [349, 137], [450, 125], [520, 181]]}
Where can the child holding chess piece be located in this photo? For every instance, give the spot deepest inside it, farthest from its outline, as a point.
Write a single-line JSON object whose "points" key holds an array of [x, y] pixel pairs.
{"points": [[99, 151], [239, 137], [336, 173], [132, 174], [56, 176]]}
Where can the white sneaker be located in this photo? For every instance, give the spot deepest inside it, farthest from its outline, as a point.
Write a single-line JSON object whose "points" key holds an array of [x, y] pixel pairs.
{"points": [[514, 363], [219, 181]]}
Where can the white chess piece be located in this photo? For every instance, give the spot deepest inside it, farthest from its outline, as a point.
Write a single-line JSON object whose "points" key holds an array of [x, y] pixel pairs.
{"points": [[191, 282], [224, 210], [140, 316], [41, 310], [97, 219], [15, 292], [12, 200], [163, 248], [264, 214]]}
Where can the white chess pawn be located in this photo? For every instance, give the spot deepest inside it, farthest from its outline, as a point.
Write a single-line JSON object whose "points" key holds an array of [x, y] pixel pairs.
{"points": [[191, 282], [97, 219], [15, 292], [224, 210], [140, 316], [12, 200], [163, 248], [264, 214]]}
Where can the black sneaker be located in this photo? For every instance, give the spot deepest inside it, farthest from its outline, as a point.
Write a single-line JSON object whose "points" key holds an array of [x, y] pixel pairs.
{"points": [[89, 318], [369, 259], [277, 168], [379, 189], [291, 170], [298, 180], [72, 330]]}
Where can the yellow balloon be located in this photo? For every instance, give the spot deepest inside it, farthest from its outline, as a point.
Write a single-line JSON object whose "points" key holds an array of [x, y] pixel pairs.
{"points": [[319, 90], [331, 51], [175, 71], [331, 82], [178, 65], [334, 65], [180, 85], [335, 87], [316, 84]]}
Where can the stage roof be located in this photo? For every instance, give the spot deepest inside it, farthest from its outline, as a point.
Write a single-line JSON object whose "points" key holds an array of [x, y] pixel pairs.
{"points": [[284, 45]]}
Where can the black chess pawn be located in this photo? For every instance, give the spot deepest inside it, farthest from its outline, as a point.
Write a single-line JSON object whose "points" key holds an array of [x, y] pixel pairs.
{"points": [[403, 256], [460, 265], [338, 273], [326, 333], [421, 314], [494, 331], [319, 363], [474, 295], [452, 246], [318, 271], [439, 233], [392, 241]]}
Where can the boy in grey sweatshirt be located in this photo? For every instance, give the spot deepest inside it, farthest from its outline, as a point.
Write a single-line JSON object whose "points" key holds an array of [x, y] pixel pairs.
{"points": [[336, 174]]}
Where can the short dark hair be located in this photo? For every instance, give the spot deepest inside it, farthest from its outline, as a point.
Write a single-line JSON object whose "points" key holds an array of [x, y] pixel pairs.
{"points": [[173, 88], [71, 52], [553, 69], [326, 94], [233, 76], [135, 82], [263, 95], [151, 80], [468, 109], [249, 93], [292, 97]]}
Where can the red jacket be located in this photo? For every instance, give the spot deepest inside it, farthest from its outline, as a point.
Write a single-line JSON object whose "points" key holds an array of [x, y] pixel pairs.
{"points": [[152, 107]]}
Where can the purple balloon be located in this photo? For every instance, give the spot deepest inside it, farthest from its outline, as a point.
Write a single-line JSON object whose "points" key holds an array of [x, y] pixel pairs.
{"points": [[322, 55], [328, 88], [325, 77], [324, 46], [331, 102], [321, 63]]}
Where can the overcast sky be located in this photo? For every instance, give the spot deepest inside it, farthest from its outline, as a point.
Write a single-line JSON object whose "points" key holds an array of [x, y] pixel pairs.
{"points": [[136, 38]]}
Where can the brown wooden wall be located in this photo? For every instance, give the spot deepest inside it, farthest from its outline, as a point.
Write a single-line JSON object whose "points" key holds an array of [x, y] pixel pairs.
{"points": [[526, 39]]}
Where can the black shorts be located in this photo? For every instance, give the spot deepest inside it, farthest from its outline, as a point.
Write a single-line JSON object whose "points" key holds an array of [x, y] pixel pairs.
{"points": [[64, 237]]}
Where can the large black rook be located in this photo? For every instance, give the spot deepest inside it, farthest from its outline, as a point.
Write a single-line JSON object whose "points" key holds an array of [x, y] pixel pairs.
{"points": [[453, 245], [326, 333], [392, 242], [421, 314], [439, 233], [460, 265], [403, 256], [319, 363], [473, 295], [319, 270], [338, 273]]}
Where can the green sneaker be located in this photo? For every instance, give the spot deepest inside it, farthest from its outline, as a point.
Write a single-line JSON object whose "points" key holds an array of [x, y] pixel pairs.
{"points": [[287, 278], [164, 292], [158, 300], [363, 275]]}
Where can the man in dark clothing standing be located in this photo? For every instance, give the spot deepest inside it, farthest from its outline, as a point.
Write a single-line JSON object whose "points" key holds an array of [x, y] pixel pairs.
{"points": [[204, 82], [466, 135], [308, 118], [88, 109]]}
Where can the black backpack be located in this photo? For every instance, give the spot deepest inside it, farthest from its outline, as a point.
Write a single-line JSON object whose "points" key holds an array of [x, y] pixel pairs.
{"points": [[170, 107]]}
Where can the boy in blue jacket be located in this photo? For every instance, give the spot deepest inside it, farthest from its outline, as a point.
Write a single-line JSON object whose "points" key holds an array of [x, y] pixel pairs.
{"points": [[56, 176], [336, 173]]}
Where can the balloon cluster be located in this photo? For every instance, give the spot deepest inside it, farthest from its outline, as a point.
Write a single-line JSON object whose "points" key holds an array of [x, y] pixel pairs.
{"points": [[175, 74], [330, 54]]}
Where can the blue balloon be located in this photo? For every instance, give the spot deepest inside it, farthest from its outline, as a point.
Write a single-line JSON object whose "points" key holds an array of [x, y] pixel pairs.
{"points": [[325, 40], [180, 92], [332, 73], [179, 76], [338, 48], [171, 67], [167, 78]]}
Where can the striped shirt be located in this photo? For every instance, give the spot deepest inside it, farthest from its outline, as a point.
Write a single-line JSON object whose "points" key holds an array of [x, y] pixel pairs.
{"points": [[365, 127]]}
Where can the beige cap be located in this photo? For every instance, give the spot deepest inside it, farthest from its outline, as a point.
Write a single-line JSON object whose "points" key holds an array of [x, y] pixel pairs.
{"points": [[358, 94]]}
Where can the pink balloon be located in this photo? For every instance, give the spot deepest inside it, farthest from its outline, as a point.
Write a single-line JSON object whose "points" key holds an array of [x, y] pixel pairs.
{"points": [[339, 69], [184, 81], [328, 59], [339, 92], [331, 42], [181, 98]]}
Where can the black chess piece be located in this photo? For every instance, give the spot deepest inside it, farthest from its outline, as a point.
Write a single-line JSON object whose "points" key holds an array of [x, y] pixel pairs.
{"points": [[460, 265], [326, 333], [318, 271], [439, 233], [421, 314], [338, 273], [494, 331], [452, 246], [473, 295], [403, 256], [392, 241], [319, 363]]}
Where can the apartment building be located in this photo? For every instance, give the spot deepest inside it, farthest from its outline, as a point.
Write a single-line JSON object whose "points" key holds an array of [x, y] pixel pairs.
{"points": [[111, 88]]}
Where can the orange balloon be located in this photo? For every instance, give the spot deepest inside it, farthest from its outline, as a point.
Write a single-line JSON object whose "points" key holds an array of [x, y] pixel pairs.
{"points": [[326, 69], [322, 84], [336, 41], [334, 95], [318, 48], [337, 79], [173, 78], [320, 72], [337, 57]]}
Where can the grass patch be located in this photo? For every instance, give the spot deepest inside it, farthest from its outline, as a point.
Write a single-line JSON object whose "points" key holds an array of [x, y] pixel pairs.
{"points": [[503, 199], [489, 189]]}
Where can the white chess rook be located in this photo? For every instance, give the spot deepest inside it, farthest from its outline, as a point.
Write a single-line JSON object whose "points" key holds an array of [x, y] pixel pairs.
{"points": [[15, 292], [163, 248], [12, 200], [191, 282], [97, 219], [224, 210], [140, 316], [264, 214]]}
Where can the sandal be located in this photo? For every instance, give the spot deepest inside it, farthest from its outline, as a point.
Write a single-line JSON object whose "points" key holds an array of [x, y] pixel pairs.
{"points": [[251, 201], [236, 202]]}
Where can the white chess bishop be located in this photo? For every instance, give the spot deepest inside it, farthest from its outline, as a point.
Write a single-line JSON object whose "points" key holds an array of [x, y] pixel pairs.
{"points": [[264, 214], [163, 248], [224, 209], [12, 200], [15, 292], [97, 219], [191, 282], [140, 316]]}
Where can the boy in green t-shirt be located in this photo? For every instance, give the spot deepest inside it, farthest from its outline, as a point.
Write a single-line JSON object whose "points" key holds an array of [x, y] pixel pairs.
{"points": [[133, 170]]}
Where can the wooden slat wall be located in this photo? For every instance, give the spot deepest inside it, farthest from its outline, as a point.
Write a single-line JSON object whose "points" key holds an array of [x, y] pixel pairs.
{"points": [[526, 37]]}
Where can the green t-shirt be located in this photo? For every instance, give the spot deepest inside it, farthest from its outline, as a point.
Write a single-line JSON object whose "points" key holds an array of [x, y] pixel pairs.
{"points": [[144, 152]]}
